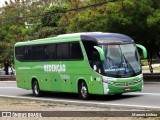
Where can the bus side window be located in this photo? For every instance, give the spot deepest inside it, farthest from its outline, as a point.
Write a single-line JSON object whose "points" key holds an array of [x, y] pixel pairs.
{"points": [[19, 52], [89, 48], [28, 53], [38, 52], [50, 52], [63, 51], [75, 51]]}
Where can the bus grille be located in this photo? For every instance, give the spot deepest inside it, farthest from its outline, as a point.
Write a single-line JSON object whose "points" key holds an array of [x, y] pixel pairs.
{"points": [[126, 84]]}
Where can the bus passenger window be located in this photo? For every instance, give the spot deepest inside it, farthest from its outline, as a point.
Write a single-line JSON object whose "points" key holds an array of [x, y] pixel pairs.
{"points": [[38, 52], [28, 53], [19, 52], [50, 52], [75, 51], [63, 51]]}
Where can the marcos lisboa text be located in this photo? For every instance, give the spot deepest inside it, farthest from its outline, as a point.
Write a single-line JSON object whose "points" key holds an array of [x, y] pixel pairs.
{"points": [[147, 114]]}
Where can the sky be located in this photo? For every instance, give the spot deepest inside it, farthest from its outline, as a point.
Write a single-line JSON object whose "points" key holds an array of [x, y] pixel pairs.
{"points": [[2, 2]]}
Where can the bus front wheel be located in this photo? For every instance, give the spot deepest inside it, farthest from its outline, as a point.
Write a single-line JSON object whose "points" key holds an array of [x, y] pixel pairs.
{"points": [[83, 91], [35, 88]]}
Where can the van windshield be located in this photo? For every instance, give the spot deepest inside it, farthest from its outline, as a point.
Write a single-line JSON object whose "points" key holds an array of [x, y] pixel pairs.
{"points": [[121, 60]]}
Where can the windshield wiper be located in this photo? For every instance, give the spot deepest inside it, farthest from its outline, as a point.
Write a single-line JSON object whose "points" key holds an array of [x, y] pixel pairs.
{"points": [[128, 64]]}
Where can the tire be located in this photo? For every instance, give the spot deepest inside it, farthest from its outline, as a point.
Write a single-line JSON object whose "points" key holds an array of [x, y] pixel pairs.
{"points": [[83, 91], [35, 89], [118, 95]]}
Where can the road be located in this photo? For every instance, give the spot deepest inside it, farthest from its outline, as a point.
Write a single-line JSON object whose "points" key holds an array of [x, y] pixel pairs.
{"points": [[148, 99]]}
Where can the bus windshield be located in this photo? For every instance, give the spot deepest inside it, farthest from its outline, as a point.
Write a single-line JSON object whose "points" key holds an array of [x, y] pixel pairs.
{"points": [[121, 60]]}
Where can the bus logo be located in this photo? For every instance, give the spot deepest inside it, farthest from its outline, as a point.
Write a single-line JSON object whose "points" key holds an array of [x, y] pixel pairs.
{"points": [[55, 68]]}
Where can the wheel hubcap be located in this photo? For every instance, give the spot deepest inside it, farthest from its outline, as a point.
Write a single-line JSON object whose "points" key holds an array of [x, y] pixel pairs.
{"points": [[84, 91], [36, 89]]}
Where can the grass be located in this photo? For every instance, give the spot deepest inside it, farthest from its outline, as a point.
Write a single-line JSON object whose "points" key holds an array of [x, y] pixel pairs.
{"points": [[144, 62], [145, 65]]}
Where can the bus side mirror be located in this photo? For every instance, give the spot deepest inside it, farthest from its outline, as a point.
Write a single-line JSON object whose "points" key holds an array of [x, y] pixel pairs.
{"points": [[100, 51], [144, 51]]}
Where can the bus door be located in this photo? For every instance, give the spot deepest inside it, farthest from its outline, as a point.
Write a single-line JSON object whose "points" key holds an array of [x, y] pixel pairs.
{"points": [[96, 64]]}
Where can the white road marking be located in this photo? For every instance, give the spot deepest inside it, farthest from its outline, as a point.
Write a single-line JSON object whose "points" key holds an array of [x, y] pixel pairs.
{"points": [[9, 88], [147, 94], [151, 82], [131, 93], [82, 102], [7, 81]]}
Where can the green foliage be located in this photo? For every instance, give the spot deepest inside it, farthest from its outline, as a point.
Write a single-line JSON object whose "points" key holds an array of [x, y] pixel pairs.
{"points": [[154, 19], [49, 32], [51, 17], [48, 25], [139, 19], [144, 62]]}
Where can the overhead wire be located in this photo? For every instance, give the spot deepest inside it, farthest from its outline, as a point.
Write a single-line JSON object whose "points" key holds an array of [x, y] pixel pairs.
{"points": [[63, 11]]}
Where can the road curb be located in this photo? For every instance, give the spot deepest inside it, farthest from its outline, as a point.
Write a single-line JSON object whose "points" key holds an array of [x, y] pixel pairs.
{"points": [[151, 77], [7, 78], [88, 103]]}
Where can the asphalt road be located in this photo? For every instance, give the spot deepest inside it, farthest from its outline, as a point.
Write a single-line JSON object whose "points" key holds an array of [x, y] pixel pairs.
{"points": [[148, 99]]}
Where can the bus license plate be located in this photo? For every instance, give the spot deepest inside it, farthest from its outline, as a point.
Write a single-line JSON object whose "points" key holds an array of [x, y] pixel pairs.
{"points": [[127, 89]]}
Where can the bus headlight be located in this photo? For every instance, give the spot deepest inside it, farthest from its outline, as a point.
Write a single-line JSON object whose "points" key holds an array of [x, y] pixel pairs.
{"points": [[105, 79], [109, 80]]}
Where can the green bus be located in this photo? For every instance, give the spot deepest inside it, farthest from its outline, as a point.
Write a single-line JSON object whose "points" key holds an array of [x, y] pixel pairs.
{"points": [[83, 63]]}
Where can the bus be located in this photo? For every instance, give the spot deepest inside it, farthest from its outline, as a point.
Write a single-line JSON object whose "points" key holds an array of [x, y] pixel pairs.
{"points": [[83, 63]]}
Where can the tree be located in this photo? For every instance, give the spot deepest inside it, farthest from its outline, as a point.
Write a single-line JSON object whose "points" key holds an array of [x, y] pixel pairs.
{"points": [[131, 19], [12, 28], [13, 17], [48, 25], [138, 19]]}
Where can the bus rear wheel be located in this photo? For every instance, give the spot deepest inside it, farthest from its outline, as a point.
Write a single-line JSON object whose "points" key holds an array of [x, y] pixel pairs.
{"points": [[83, 91], [35, 89]]}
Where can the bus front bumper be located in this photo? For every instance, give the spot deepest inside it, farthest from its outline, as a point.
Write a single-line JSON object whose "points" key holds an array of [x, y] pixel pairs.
{"points": [[112, 89]]}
